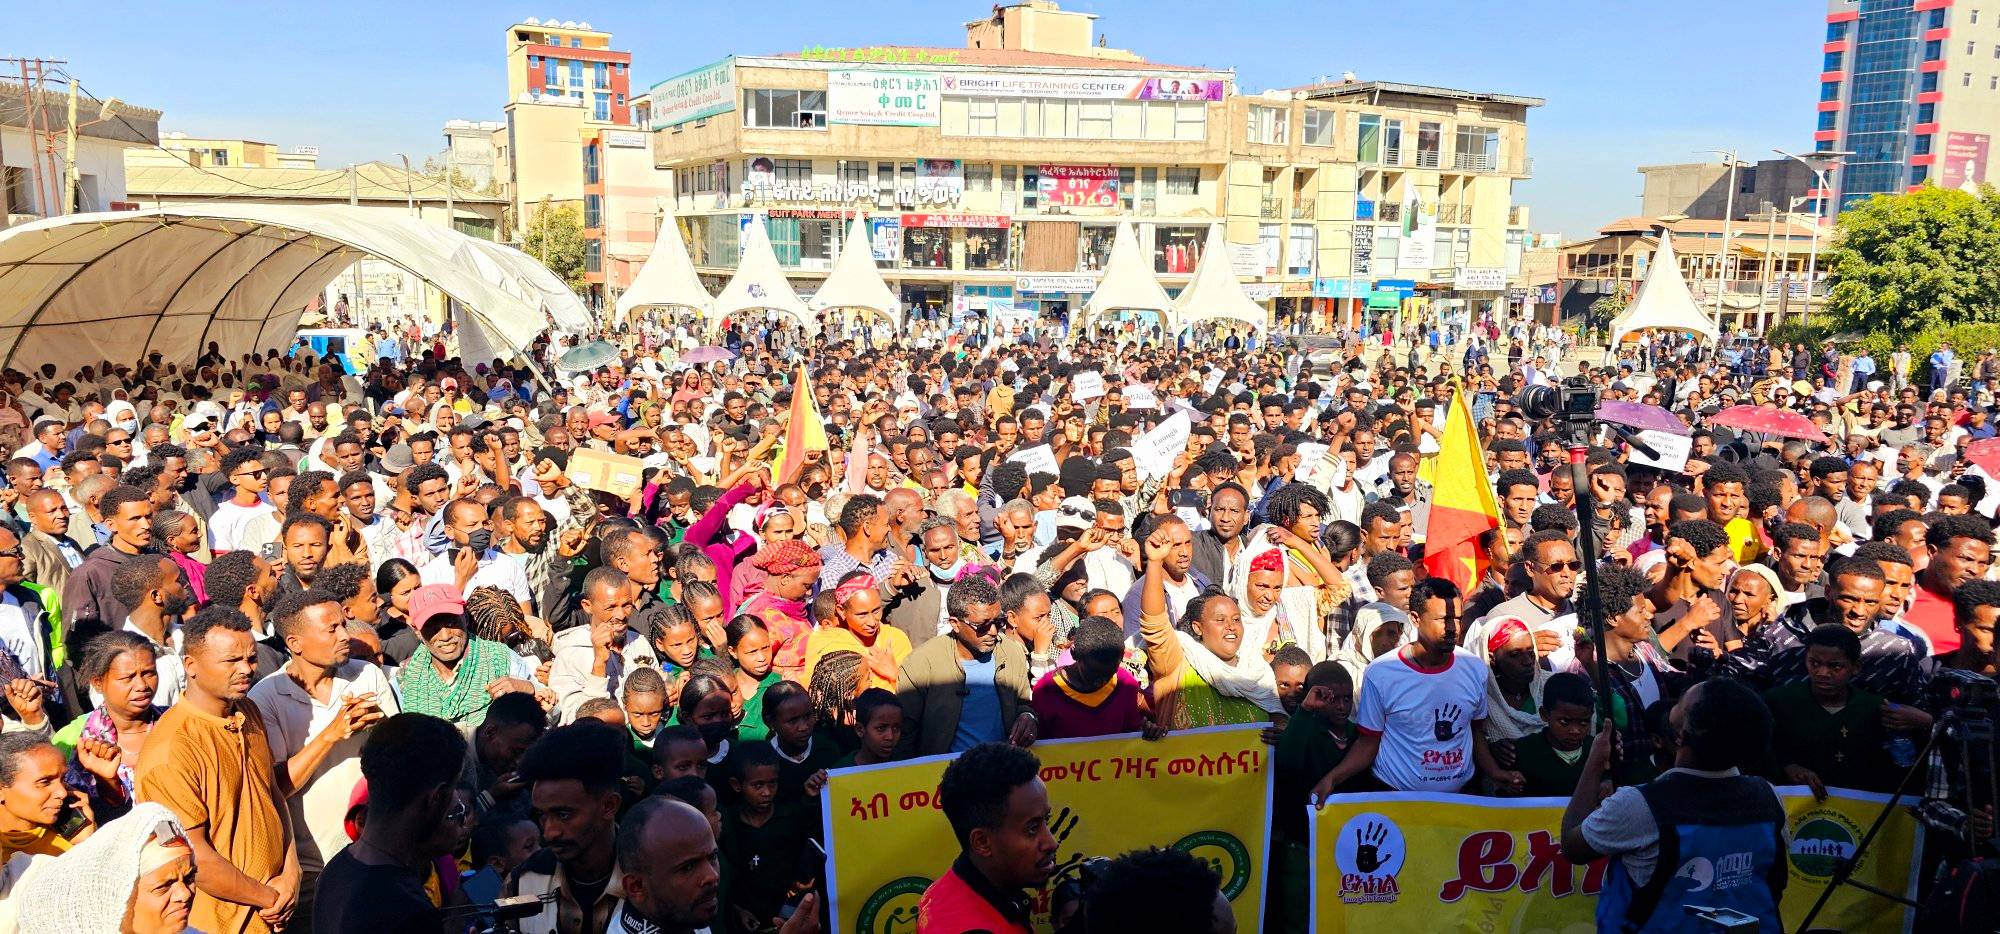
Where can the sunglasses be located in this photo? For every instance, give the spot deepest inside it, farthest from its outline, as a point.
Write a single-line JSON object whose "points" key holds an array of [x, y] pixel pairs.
{"points": [[989, 626], [1562, 566]]}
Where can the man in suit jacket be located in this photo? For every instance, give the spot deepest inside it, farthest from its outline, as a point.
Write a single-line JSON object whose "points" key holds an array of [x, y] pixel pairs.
{"points": [[969, 687], [49, 552]]}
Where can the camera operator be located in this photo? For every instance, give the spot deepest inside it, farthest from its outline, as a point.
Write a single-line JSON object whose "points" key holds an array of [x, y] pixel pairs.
{"points": [[1702, 814], [1159, 891]]}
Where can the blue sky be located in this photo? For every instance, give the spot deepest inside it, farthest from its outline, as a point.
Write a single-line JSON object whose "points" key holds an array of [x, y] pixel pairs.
{"points": [[1627, 83]]}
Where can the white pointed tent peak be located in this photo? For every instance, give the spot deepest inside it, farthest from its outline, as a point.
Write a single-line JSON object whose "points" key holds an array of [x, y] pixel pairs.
{"points": [[1128, 283], [668, 278], [1663, 301], [759, 283], [1215, 293], [855, 282]]}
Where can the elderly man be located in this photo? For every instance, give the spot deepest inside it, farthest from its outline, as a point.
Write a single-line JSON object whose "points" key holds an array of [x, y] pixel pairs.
{"points": [[592, 660]]}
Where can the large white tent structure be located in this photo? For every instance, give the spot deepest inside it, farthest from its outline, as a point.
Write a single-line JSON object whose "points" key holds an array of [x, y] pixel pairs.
{"points": [[759, 283], [1663, 302], [855, 281], [1215, 294], [667, 280], [116, 285], [1128, 284]]}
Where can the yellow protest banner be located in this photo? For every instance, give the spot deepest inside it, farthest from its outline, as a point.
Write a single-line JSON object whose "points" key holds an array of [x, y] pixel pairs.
{"points": [[1205, 791], [1434, 862]]}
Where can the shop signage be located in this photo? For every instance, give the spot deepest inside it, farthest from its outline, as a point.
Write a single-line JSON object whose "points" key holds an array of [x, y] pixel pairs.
{"points": [[1295, 289], [1084, 87], [625, 139], [1059, 284], [882, 98], [808, 214], [1480, 279], [879, 54], [1260, 291], [1340, 288], [1404, 288], [1247, 260], [692, 95], [1362, 262], [1420, 221], [939, 182], [885, 235], [1079, 186], [957, 220]]}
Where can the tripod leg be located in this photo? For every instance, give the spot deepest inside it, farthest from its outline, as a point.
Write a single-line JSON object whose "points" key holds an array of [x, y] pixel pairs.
{"points": [[1844, 869]]}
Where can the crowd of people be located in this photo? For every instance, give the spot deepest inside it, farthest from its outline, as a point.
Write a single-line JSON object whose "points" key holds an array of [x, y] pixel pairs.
{"points": [[293, 645]]}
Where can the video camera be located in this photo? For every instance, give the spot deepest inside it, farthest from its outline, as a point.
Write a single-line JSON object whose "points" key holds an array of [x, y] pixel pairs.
{"points": [[1571, 405], [1967, 706], [498, 916]]}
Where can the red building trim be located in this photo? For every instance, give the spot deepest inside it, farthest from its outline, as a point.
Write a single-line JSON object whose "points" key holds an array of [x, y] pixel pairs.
{"points": [[1825, 136], [1825, 106], [1844, 16]]}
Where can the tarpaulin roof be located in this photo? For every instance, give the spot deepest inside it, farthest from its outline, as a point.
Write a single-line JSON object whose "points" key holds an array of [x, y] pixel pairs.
{"points": [[1215, 294], [113, 286], [668, 279], [1663, 301], [1128, 282], [759, 283], [855, 281]]}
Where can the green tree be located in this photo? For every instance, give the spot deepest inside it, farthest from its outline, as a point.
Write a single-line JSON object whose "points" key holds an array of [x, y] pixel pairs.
{"points": [[1917, 261], [1607, 309], [555, 236], [435, 170]]}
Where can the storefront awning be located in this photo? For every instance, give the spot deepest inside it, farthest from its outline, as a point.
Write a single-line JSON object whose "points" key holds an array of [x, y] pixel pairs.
{"points": [[667, 280], [1215, 294], [855, 281], [1128, 283], [759, 283]]}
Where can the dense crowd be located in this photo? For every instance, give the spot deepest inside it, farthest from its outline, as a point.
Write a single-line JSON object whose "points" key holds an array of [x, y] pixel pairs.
{"points": [[341, 645]]}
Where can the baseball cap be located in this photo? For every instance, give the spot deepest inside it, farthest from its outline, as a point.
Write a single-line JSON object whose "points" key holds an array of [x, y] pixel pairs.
{"points": [[1076, 512], [598, 419], [433, 600]]}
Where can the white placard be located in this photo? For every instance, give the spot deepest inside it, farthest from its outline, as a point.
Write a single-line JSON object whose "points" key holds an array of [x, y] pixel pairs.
{"points": [[1140, 396], [1038, 459], [1673, 450], [1565, 654], [1312, 458], [1154, 452], [1209, 382], [1086, 386]]}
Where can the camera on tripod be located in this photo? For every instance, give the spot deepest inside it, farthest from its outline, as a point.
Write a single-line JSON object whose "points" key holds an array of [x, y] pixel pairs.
{"points": [[1571, 404]]}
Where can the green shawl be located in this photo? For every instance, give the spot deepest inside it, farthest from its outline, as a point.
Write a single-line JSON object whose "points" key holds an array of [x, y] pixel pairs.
{"points": [[464, 700]]}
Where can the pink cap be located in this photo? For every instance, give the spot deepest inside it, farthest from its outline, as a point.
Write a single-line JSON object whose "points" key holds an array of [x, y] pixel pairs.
{"points": [[434, 600]]}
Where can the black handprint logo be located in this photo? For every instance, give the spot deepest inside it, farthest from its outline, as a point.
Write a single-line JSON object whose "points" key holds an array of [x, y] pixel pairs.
{"points": [[1446, 722], [1367, 847]]}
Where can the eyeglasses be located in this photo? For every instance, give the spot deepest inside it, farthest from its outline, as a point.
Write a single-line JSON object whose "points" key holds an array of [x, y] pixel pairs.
{"points": [[257, 474], [1553, 567], [458, 813], [981, 629]]}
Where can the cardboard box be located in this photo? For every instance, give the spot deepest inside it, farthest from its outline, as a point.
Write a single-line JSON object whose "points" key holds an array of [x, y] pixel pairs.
{"points": [[616, 474]]}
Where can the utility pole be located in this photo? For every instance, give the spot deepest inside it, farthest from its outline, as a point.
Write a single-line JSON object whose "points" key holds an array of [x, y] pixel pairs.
{"points": [[1728, 219], [450, 213], [69, 154], [33, 72]]}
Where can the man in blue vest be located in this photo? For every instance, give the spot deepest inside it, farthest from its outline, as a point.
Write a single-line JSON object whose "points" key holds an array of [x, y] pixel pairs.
{"points": [[1700, 840]]}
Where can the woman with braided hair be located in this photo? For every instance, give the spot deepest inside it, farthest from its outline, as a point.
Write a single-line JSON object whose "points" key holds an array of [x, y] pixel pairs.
{"points": [[860, 630], [837, 680]]}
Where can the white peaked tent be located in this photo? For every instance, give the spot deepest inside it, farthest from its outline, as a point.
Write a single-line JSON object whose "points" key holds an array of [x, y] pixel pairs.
{"points": [[1128, 283], [855, 281], [667, 280], [1663, 302], [1215, 294], [759, 283]]}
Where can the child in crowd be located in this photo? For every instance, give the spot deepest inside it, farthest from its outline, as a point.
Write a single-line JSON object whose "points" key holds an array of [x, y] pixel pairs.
{"points": [[678, 751], [1829, 732], [1552, 759], [1092, 695], [763, 838], [1314, 741], [677, 641], [802, 756], [644, 702], [878, 722], [499, 845], [1290, 665]]}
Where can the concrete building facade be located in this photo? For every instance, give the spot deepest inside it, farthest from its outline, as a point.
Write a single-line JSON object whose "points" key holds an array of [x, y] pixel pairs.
{"points": [[1701, 190], [33, 152], [995, 175], [1758, 282]]}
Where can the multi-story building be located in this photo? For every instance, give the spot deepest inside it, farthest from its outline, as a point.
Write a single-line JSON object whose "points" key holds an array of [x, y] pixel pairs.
{"points": [[181, 149], [34, 164], [995, 175], [1701, 190], [473, 148], [624, 202], [570, 59], [1911, 88]]}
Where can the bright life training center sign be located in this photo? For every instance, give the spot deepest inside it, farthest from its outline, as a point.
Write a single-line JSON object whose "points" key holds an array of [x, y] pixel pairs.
{"points": [[1414, 861], [1205, 791]]}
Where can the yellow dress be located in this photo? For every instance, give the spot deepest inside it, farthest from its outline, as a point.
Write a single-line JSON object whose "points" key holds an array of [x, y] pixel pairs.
{"points": [[891, 646]]}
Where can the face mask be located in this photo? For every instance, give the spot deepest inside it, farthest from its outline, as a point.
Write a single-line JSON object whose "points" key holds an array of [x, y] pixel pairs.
{"points": [[714, 734], [480, 540], [946, 575]]}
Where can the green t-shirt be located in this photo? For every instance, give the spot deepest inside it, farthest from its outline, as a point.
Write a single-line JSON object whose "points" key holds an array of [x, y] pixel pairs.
{"points": [[1308, 748], [1548, 774]]}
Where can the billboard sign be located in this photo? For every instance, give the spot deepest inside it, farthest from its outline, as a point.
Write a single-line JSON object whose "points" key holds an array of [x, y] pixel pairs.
{"points": [[883, 98], [692, 95], [1964, 160], [1079, 186]]}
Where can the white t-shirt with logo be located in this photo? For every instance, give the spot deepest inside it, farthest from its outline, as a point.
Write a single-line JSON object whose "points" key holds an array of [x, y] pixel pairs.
{"points": [[1424, 717], [235, 527]]}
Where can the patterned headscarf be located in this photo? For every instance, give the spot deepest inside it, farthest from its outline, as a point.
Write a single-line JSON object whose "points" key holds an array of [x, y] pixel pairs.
{"points": [[786, 557]]}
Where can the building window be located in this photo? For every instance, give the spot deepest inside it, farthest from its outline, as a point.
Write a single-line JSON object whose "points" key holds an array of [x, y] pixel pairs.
{"points": [[1094, 247], [549, 66], [1918, 173], [590, 164], [1183, 181], [927, 247], [1922, 145], [1477, 148], [601, 106], [576, 73], [1836, 32], [1319, 127], [1936, 19], [1190, 121], [1827, 119], [1831, 62], [1829, 90], [853, 173], [1746, 180], [593, 211], [1933, 50], [1965, 80], [1368, 139], [982, 117], [978, 176], [1429, 138], [600, 75], [1267, 125], [1970, 47], [1927, 82], [1926, 113], [593, 256], [773, 109], [986, 248], [1127, 187]]}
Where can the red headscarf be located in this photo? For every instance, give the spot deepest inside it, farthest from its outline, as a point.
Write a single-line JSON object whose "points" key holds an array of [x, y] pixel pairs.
{"points": [[1504, 632]]}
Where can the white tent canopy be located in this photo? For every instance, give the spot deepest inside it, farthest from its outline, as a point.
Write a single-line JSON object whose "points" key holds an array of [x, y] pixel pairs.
{"points": [[1215, 294], [114, 286], [759, 283], [667, 280], [1663, 301], [1128, 283], [855, 281]]}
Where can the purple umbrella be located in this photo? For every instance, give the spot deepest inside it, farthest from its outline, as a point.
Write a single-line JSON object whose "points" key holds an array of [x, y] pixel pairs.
{"points": [[1640, 416], [701, 355]]}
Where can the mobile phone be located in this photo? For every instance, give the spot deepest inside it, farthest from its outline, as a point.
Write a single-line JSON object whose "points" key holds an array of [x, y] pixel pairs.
{"points": [[1191, 499]]}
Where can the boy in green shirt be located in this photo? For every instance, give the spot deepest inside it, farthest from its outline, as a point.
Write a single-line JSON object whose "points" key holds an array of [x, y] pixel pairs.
{"points": [[1828, 731], [878, 723], [1313, 742], [1552, 759]]}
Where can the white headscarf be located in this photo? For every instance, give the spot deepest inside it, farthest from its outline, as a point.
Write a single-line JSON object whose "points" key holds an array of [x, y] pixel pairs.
{"points": [[90, 887], [1358, 649]]}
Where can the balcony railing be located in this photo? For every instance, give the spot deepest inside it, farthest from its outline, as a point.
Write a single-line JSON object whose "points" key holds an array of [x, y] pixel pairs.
{"points": [[1514, 216], [1473, 161], [1304, 208], [1428, 159], [1273, 207], [1392, 157]]}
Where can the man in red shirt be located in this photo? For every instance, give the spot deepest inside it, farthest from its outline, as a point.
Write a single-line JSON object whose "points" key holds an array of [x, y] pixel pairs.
{"points": [[1961, 549], [999, 810]]}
